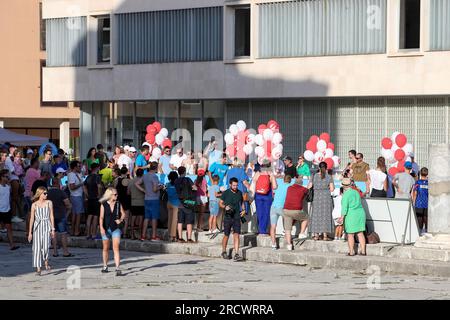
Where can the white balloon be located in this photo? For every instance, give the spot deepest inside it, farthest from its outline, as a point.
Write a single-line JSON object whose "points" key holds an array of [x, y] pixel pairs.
{"points": [[250, 139], [159, 138], [156, 153], [394, 148], [248, 149], [259, 151], [387, 154], [321, 145], [234, 130], [318, 157], [241, 125], [408, 159], [276, 153], [394, 135], [259, 140], [268, 134], [261, 160], [164, 132], [309, 155], [337, 161], [229, 138], [277, 138], [408, 148], [329, 153]]}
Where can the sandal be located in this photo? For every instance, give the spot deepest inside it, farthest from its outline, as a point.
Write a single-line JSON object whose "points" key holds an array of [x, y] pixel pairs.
{"points": [[351, 255], [48, 267], [315, 238], [14, 248], [363, 254], [38, 273], [55, 255], [68, 255]]}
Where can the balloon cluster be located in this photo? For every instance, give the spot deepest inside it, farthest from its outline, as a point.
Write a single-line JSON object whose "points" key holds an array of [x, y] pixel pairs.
{"points": [[266, 144], [320, 149], [156, 138], [396, 151]]}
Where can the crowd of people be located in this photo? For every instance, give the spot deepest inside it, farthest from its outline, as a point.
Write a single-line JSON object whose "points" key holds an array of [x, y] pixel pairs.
{"points": [[117, 194]]}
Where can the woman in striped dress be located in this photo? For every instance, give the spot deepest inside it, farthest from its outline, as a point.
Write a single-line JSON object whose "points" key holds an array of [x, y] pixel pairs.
{"points": [[42, 227]]}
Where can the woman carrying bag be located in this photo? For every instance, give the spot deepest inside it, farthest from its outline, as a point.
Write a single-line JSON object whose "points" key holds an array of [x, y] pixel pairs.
{"points": [[112, 216]]}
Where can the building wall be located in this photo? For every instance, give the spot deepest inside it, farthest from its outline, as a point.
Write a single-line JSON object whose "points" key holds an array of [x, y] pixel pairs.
{"points": [[20, 57], [392, 73]]}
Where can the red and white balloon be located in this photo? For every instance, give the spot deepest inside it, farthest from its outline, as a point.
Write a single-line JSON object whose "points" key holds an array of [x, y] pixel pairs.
{"points": [[319, 148], [396, 150], [157, 138]]}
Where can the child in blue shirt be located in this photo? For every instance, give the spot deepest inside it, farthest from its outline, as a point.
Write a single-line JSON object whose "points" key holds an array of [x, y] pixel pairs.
{"points": [[420, 200], [214, 193]]}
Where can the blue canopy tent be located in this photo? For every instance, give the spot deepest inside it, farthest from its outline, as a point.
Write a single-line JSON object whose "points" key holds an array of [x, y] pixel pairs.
{"points": [[20, 140]]}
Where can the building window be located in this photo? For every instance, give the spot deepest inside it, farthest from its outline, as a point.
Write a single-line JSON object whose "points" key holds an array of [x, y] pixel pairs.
{"points": [[103, 39], [409, 24], [42, 29], [242, 32]]}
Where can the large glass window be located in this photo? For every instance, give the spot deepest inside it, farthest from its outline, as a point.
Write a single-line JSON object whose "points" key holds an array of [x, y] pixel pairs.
{"points": [[410, 24], [123, 123], [242, 32], [168, 115], [145, 114], [103, 39], [191, 120]]}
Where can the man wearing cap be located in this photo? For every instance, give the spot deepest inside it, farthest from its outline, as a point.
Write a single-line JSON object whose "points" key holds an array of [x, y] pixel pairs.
{"points": [[27, 160], [125, 160], [59, 164], [289, 168], [404, 182]]}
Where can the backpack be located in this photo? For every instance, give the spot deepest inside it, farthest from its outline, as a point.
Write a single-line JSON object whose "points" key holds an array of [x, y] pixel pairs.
{"points": [[263, 184], [187, 195]]}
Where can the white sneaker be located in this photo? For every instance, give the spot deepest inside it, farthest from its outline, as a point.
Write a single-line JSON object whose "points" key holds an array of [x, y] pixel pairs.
{"points": [[16, 219], [302, 236], [336, 238], [3, 231], [289, 247], [274, 247], [216, 231]]}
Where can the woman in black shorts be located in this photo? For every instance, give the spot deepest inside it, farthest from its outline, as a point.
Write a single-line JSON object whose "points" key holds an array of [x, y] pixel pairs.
{"points": [[121, 186], [137, 194]]}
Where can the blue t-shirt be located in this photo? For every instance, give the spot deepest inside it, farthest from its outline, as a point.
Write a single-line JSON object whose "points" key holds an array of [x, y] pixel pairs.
{"points": [[239, 174], [212, 192], [172, 195], [214, 157], [220, 170], [280, 195], [165, 162], [421, 188], [141, 162]]}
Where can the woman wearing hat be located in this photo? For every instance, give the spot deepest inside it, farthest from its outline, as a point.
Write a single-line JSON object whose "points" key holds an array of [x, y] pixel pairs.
{"points": [[354, 217]]}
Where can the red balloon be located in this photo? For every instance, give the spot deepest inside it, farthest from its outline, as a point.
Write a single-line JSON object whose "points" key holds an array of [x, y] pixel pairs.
{"points": [[157, 125], [273, 125], [167, 143], [151, 129], [261, 128], [399, 154], [329, 162], [401, 165], [393, 171], [314, 139], [150, 138], [330, 146], [401, 140], [312, 146], [325, 136], [386, 143]]}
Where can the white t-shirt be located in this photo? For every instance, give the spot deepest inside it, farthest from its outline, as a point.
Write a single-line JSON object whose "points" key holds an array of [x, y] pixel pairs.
{"points": [[75, 178], [5, 192], [176, 160], [10, 166], [377, 179], [125, 160]]}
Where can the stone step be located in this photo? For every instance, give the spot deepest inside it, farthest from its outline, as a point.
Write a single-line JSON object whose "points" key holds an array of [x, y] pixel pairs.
{"points": [[335, 246]]}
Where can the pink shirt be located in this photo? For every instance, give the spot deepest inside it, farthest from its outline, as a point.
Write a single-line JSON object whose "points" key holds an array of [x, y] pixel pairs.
{"points": [[30, 177], [201, 189]]}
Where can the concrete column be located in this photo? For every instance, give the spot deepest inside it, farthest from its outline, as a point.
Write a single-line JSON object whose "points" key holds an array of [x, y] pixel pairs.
{"points": [[64, 135], [439, 199]]}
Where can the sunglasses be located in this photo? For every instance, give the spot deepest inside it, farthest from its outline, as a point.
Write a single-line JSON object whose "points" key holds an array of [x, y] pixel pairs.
{"points": [[44, 193], [358, 158], [115, 194]]}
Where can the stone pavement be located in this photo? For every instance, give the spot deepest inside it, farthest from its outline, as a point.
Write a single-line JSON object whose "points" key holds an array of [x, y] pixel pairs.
{"points": [[176, 276]]}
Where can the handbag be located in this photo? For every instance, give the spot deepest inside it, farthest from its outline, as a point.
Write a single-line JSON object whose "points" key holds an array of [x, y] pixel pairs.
{"points": [[310, 195]]}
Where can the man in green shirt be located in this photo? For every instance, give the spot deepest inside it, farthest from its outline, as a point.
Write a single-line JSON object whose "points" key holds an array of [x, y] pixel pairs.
{"points": [[232, 201]]}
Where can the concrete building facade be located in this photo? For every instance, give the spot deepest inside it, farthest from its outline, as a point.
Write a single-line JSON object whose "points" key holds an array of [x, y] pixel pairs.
{"points": [[359, 69]]}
